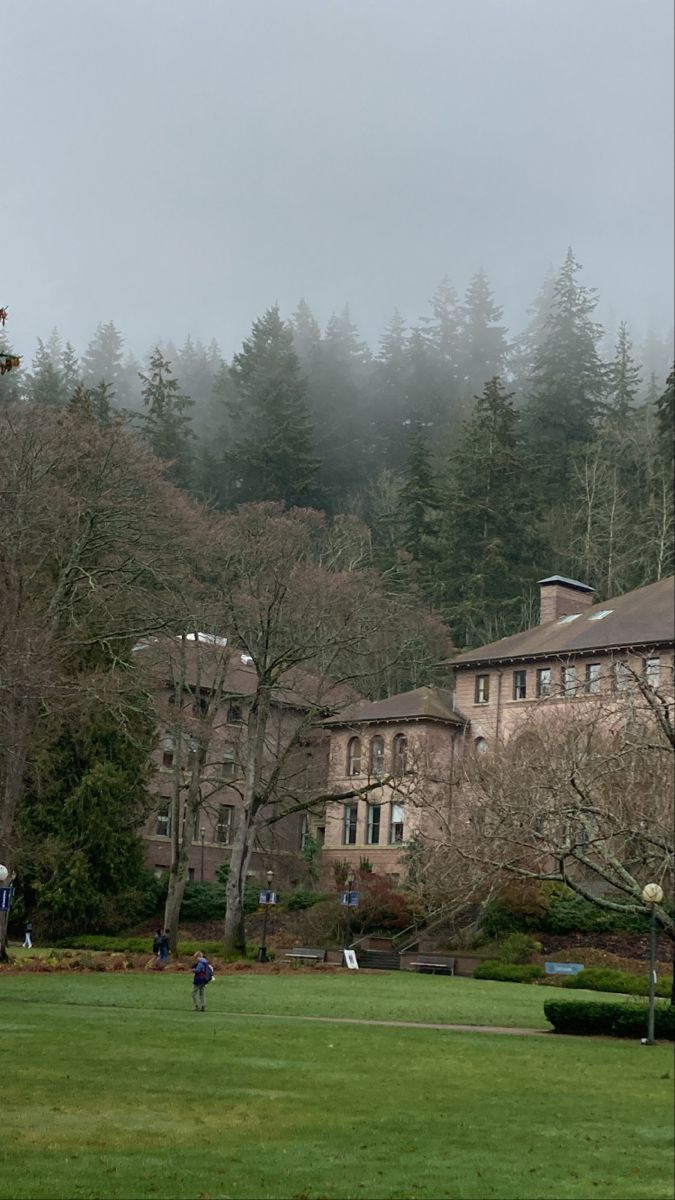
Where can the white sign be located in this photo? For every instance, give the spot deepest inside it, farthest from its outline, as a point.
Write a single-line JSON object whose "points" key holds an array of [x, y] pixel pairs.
{"points": [[350, 960]]}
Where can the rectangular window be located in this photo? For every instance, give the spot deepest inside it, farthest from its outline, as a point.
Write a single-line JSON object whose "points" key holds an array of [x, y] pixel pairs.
{"points": [[304, 831], [519, 685], [229, 765], [482, 690], [167, 752], [235, 714], [374, 818], [349, 830], [653, 671], [191, 874], [321, 835], [622, 677], [163, 824], [569, 681], [396, 827], [544, 682], [224, 824], [592, 681]]}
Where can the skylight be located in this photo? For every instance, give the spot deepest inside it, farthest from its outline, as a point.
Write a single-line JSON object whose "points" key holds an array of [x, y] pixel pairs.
{"points": [[598, 616], [570, 617]]}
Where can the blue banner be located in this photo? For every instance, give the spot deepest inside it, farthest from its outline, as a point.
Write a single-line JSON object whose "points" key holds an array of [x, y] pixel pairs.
{"points": [[5, 898], [350, 899]]}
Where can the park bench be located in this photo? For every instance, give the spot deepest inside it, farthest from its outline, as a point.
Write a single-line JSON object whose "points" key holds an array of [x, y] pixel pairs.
{"points": [[306, 952], [436, 964]]}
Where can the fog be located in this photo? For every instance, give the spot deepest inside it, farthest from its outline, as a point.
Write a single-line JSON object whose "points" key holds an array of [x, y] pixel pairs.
{"points": [[179, 166]]}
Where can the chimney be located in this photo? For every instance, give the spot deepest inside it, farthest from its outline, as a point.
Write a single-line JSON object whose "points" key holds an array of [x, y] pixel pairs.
{"points": [[559, 597]]}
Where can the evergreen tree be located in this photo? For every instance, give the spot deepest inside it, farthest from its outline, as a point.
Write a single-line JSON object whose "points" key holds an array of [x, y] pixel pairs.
{"points": [[483, 347], [306, 334], [487, 543], [391, 400], [70, 370], [623, 379], [271, 456], [568, 381], [45, 384], [419, 510], [103, 360], [442, 335], [665, 414], [166, 424], [81, 858]]}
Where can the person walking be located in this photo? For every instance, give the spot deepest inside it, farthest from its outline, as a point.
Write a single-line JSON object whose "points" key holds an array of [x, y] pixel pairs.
{"points": [[28, 936], [160, 946], [202, 974]]}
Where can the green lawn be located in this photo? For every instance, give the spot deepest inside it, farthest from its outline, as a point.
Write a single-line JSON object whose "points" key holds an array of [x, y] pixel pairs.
{"points": [[113, 1088]]}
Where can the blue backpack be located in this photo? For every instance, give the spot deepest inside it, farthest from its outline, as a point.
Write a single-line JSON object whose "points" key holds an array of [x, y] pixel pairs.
{"points": [[203, 974]]}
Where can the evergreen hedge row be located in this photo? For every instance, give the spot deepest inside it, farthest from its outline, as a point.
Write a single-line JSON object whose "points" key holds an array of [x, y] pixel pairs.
{"points": [[610, 1019], [608, 979], [508, 972]]}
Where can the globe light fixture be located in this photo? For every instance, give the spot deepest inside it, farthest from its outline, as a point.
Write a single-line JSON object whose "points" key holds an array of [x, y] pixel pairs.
{"points": [[4, 873], [652, 893]]}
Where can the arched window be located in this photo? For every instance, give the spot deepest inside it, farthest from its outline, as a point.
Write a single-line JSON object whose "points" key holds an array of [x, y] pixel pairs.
{"points": [[399, 764], [377, 755], [354, 756]]}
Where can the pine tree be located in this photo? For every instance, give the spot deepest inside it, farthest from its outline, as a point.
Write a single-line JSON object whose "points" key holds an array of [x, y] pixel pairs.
{"points": [[419, 509], [665, 415], [483, 346], [103, 360], [488, 546], [166, 424], [442, 335], [45, 383], [70, 370], [271, 457], [568, 380], [306, 334], [623, 379], [391, 400]]}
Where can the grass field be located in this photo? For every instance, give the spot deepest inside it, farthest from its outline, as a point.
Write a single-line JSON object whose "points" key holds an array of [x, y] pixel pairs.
{"points": [[113, 1088]]}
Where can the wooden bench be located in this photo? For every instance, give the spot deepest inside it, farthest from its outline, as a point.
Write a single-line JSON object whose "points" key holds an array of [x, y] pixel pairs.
{"points": [[307, 952], [436, 964]]}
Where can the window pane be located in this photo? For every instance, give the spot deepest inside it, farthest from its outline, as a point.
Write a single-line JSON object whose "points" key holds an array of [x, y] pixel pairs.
{"points": [[377, 756], [569, 680], [544, 681], [592, 678], [350, 817], [354, 756], [396, 828], [622, 676], [163, 823], [374, 817], [482, 689], [653, 670], [519, 685], [224, 824], [399, 756]]}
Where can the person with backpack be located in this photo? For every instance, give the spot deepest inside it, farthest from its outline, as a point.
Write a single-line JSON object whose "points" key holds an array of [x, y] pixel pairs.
{"points": [[28, 937], [202, 975], [160, 946]]}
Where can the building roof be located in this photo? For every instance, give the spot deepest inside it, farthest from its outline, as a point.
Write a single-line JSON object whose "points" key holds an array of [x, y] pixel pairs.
{"points": [[644, 617], [421, 704], [576, 584]]}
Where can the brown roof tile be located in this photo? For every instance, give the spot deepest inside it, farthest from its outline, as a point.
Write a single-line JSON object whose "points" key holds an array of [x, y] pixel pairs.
{"points": [[422, 704], [641, 618]]}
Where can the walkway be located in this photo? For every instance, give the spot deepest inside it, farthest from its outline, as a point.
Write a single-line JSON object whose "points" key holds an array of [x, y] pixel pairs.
{"points": [[514, 1029]]}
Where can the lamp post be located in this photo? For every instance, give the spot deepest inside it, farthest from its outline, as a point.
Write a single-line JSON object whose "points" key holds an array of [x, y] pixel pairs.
{"points": [[262, 952], [349, 883], [652, 895], [202, 834], [5, 901]]}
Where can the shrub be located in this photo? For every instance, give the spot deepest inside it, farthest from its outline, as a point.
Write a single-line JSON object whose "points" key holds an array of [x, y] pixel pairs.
{"points": [[605, 979], [508, 972], [570, 913], [132, 945], [302, 898], [517, 948], [611, 1018]]}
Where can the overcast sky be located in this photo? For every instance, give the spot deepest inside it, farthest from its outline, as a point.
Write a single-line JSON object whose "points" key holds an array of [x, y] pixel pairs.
{"points": [[179, 165]]}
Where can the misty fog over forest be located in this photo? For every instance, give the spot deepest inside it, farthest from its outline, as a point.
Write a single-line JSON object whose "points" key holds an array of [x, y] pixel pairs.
{"points": [[408, 263]]}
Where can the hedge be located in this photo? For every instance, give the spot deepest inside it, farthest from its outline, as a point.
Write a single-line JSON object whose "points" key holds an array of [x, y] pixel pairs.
{"points": [[608, 979], [611, 1018], [132, 945], [508, 972]]}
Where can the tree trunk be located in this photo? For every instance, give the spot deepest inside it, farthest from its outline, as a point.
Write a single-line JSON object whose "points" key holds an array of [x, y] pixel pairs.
{"points": [[180, 858], [234, 934]]}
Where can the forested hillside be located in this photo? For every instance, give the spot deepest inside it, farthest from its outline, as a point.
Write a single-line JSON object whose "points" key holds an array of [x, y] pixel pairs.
{"points": [[478, 457]]}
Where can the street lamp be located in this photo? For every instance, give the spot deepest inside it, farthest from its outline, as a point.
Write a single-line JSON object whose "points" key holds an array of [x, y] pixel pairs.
{"points": [[652, 895], [349, 883], [268, 899], [202, 833]]}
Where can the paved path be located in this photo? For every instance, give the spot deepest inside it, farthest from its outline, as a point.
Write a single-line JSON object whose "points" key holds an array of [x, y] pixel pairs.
{"points": [[513, 1029]]}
